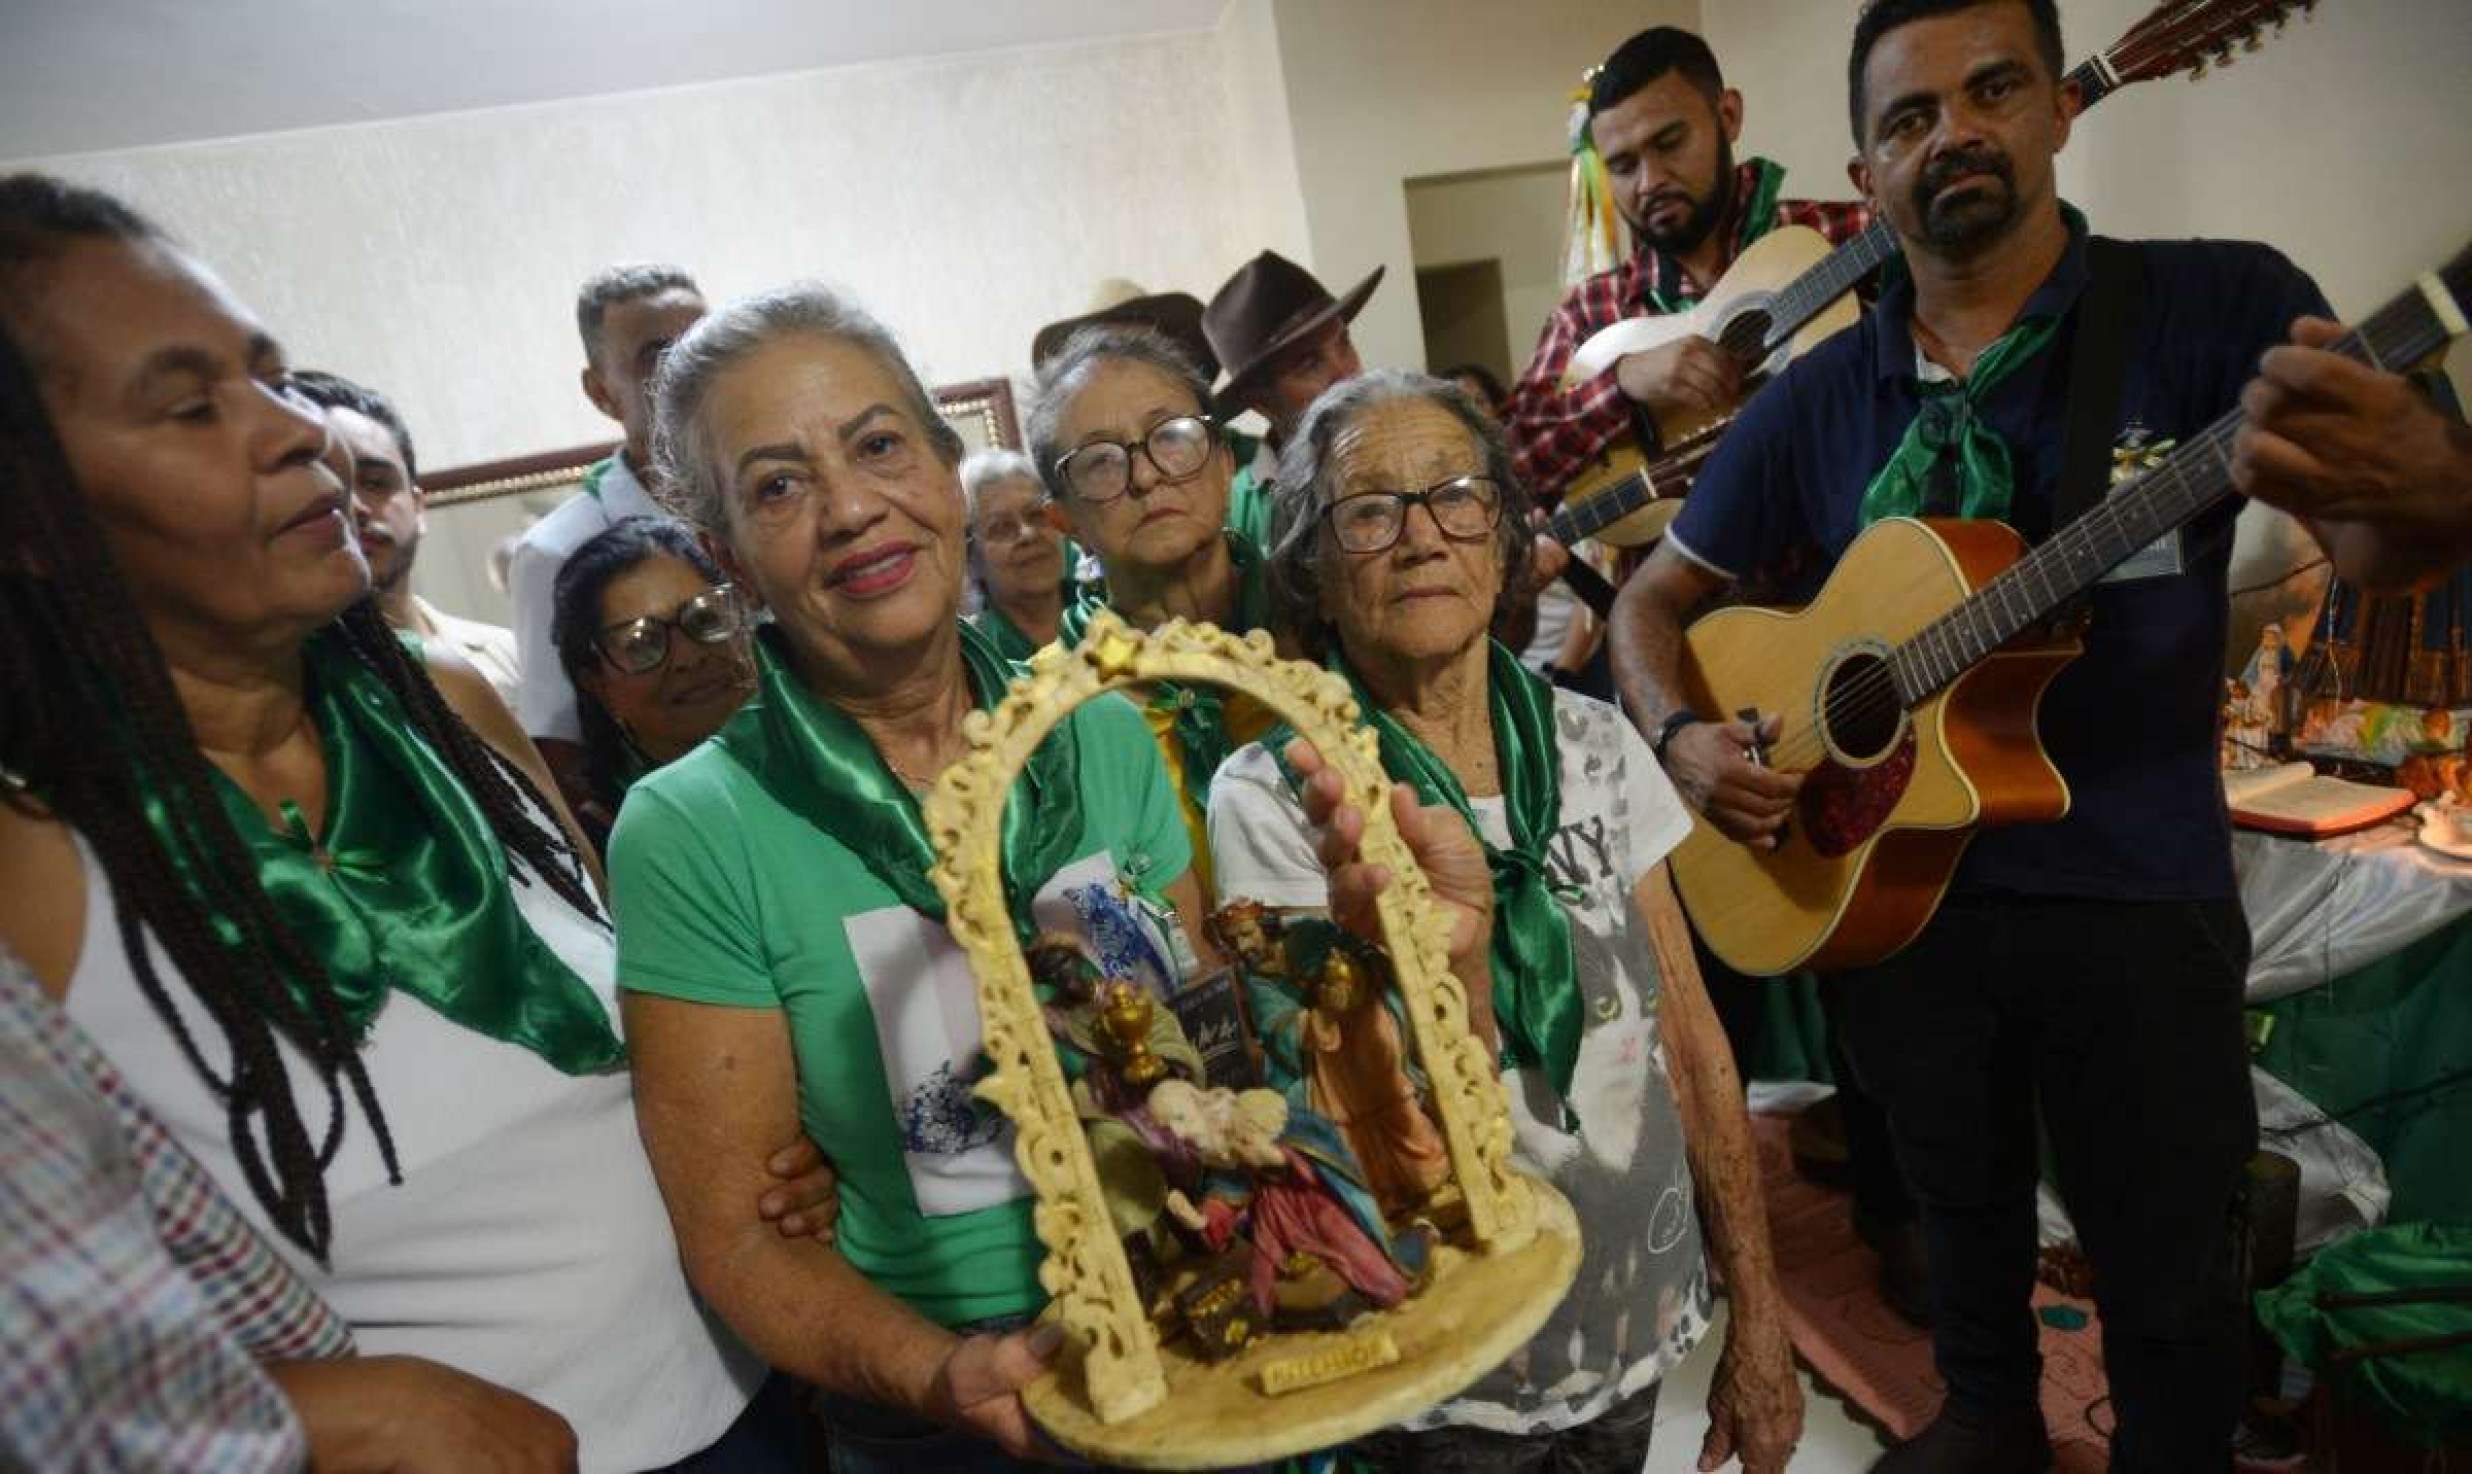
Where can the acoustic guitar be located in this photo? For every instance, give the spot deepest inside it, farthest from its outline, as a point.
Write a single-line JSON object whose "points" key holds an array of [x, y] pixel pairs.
{"points": [[1789, 291], [1908, 695]]}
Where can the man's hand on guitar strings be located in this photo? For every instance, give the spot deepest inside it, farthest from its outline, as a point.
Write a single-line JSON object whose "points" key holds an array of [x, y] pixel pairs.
{"points": [[1712, 764]]}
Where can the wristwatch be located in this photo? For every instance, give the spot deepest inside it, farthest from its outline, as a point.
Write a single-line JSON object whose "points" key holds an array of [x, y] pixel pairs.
{"points": [[1674, 722]]}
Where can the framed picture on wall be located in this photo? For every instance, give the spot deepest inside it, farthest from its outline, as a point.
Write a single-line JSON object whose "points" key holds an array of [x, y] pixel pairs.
{"points": [[477, 512]]}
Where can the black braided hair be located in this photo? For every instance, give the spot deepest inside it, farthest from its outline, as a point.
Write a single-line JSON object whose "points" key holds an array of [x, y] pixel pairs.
{"points": [[90, 721]]}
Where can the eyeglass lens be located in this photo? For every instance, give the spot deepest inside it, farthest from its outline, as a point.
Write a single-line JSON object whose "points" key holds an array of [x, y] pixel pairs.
{"points": [[642, 645], [1465, 509], [1102, 471]]}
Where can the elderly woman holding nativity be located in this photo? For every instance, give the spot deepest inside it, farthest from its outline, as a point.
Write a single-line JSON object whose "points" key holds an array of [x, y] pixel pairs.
{"points": [[1398, 515], [782, 950]]}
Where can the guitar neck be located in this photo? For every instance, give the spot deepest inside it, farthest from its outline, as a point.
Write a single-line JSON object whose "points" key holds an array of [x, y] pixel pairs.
{"points": [[2191, 479], [1666, 477], [1843, 269], [1587, 518]]}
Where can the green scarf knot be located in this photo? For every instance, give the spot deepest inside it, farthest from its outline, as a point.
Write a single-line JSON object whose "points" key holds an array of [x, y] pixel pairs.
{"points": [[1949, 462], [1536, 997], [407, 890]]}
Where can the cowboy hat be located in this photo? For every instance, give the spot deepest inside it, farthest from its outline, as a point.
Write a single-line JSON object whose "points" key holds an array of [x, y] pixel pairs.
{"points": [[1270, 304], [1176, 314]]}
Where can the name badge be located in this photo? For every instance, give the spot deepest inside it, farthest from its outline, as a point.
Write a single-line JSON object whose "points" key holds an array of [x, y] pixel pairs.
{"points": [[2137, 452]]}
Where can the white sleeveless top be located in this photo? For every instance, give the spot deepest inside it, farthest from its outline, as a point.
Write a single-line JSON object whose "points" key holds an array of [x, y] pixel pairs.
{"points": [[527, 1245]]}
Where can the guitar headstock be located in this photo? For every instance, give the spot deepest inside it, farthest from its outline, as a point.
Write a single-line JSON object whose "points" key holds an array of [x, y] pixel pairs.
{"points": [[2192, 35]]}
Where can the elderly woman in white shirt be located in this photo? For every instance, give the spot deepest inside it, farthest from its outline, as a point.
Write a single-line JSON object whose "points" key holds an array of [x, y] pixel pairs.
{"points": [[1398, 516]]}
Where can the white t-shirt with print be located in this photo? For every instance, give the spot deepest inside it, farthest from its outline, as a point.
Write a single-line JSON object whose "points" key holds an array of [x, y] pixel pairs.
{"points": [[1641, 1300]]}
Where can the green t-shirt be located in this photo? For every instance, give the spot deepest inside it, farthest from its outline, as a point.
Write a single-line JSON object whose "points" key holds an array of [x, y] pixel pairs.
{"points": [[723, 895]]}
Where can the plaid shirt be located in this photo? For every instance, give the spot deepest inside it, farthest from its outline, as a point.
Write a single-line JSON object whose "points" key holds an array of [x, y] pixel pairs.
{"points": [[1558, 432], [135, 1301]]}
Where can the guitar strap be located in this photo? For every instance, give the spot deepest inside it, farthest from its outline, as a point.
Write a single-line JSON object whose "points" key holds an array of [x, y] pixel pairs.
{"points": [[2098, 370]]}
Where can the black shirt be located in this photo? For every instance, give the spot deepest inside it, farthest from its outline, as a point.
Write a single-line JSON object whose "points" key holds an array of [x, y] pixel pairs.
{"points": [[2131, 723]]}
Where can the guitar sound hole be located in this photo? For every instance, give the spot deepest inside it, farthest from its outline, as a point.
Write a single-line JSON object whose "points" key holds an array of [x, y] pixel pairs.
{"points": [[1860, 709], [1746, 337]]}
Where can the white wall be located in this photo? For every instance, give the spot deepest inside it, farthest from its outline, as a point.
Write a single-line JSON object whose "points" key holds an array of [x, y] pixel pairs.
{"points": [[967, 201], [1383, 91], [1269, 196], [1513, 216]]}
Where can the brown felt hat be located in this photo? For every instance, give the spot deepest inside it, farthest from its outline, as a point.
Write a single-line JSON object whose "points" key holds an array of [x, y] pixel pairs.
{"points": [[1176, 314], [1268, 305]]}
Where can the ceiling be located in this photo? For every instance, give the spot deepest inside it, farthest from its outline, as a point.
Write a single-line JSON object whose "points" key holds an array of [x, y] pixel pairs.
{"points": [[82, 75]]}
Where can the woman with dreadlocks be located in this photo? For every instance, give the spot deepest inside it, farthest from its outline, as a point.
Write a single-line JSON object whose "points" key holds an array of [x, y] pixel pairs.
{"points": [[243, 824]]}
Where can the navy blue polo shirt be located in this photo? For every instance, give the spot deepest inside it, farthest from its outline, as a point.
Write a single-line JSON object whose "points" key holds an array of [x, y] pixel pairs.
{"points": [[2131, 723]]}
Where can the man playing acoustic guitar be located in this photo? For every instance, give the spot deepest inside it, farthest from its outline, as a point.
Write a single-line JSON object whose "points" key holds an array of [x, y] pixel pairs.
{"points": [[2093, 965], [1665, 123]]}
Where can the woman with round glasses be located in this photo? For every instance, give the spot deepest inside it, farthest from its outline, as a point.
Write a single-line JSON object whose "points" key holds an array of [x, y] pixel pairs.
{"points": [[1120, 424], [1398, 518], [1018, 557], [655, 643]]}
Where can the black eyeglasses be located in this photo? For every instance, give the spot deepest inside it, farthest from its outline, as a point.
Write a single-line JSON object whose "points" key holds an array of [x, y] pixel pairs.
{"points": [[1102, 470], [1465, 508], [641, 645]]}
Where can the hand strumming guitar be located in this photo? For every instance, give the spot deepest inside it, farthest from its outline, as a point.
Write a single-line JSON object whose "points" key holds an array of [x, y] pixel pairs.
{"points": [[1710, 763], [1689, 375]]}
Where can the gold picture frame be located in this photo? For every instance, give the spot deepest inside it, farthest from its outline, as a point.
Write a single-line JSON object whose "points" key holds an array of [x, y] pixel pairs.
{"points": [[1120, 1395]]}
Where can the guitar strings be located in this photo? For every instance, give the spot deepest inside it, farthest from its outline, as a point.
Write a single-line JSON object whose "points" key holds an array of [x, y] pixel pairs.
{"points": [[2403, 322]]}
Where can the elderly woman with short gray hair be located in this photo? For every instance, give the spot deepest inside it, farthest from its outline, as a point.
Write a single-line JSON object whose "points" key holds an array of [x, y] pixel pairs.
{"points": [[1398, 519], [1019, 560], [1122, 427], [779, 941]]}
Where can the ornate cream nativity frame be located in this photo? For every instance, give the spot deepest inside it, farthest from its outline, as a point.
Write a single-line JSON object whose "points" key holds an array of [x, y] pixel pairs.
{"points": [[1120, 1395]]}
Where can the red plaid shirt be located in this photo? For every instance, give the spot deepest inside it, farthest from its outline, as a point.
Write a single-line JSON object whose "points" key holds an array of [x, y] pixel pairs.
{"points": [[1558, 432]]}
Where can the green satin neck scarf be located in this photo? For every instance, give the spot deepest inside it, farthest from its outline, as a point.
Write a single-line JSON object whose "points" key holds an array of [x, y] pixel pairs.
{"points": [[1536, 997], [1949, 463], [408, 888], [816, 760], [1198, 713]]}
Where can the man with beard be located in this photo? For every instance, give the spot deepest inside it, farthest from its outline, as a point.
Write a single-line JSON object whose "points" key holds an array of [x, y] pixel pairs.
{"points": [[2088, 971], [1660, 114], [369, 447]]}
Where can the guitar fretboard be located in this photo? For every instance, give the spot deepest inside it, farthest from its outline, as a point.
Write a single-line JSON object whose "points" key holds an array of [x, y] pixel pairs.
{"points": [[2190, 480]]}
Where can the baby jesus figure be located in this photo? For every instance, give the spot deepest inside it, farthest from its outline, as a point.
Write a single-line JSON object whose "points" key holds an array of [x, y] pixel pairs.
{"points": [[1285, 1181]]}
